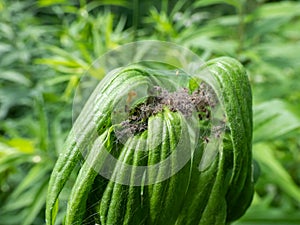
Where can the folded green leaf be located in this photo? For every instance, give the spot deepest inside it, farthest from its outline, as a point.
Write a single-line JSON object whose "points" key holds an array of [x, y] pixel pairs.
{"points": [[153, 149]]}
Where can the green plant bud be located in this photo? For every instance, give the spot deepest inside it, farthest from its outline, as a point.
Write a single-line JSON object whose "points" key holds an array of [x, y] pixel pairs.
{"points": [[156, 154]]}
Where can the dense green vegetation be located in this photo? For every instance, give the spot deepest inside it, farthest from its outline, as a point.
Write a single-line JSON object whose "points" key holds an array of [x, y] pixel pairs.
{"points": [[46, 46]]}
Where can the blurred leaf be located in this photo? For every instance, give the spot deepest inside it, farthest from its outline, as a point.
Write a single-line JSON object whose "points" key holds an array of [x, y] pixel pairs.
{"points": [[161, 22], [91, 5], [15, 77], [5, 149], [23, 201], [269, 216], [290, 31], [94, 4], [64, 61], [202, 3], [283, 53], [43, 135], [14, 160], [58, 79], [273, 119], [279, 9], [73, 82], [30, 203], [22, 144], [43, 3], [6, 31], [226, 47], [272, 168], [35, 175], [267, 25], [4, 48], [38, 203]]}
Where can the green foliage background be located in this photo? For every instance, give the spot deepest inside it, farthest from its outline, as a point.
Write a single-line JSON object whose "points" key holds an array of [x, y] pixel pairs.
{"points": [[46, 46]]}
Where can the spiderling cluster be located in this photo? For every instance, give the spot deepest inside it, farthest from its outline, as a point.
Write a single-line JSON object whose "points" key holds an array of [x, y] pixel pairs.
{"points": [[200, 101]]}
